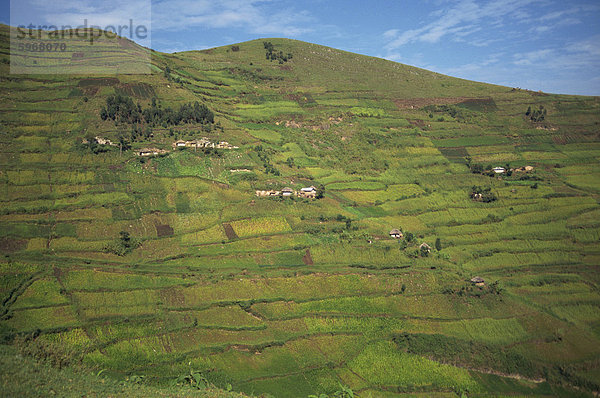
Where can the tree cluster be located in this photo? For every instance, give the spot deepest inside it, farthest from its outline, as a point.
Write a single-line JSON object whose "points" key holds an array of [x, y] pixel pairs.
{"points": [[170, 77], [265, 159], [536, 115], [459, 114], [121, 109], [273, 55], [187, 113], [124, 245], [483, 194]]}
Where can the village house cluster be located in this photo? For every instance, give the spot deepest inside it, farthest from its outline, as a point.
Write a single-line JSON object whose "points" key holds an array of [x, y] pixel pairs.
{"points": [[151, 152], [99, 141], [397, 234], [309, 192], [524, 169], [203, 143]]}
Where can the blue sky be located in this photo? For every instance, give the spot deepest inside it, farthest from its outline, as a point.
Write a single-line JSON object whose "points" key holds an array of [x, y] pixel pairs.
{"points": [[548, 45]]}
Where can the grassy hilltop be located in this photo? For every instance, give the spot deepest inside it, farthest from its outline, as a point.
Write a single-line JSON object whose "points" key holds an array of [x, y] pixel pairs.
{"points": [[150, 269]]}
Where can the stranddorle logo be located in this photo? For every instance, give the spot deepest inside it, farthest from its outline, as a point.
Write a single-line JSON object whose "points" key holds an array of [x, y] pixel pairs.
{"points": [[82, 38]]}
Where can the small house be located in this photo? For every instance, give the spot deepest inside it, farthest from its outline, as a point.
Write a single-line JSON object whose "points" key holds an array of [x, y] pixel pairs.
{"points": [[478, 281], [309, 192], [150, 152], [287, 191], [104, 141], [396, 234], [179, 144], [425, 247], [203, 142], [499, 170]]}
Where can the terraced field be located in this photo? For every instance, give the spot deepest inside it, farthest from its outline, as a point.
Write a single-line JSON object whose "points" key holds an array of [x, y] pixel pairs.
{"points": [[291, 296]]}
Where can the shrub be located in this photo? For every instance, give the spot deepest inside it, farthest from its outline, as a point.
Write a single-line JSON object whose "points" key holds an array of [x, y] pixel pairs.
{"points": [[124, 245]]}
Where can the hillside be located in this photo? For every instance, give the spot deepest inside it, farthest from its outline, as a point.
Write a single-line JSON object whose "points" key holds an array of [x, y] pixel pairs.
{"points": [[170, 264]]}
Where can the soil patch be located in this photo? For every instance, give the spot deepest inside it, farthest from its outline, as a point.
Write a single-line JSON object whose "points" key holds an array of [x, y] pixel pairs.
{"points": [[138, 90], [231, 235], [9, 245], [308, 258], [163, 230], [417, 123], [98, 81]]}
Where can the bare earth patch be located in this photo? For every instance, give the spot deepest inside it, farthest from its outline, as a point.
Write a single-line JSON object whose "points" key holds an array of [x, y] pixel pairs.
{"points": [[231, 235]]}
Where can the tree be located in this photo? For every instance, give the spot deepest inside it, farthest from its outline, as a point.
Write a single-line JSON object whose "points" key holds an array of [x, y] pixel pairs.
{"points": [[484, 194], [344, 392], [272, 55], [402, 244], [125, 238], [124, 143], [320, 191], [536, 115], [124, 245], [438, 244], [476, 168]]}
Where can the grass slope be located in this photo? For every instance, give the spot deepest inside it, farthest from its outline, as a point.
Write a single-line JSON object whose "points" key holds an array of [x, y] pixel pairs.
{"points": [[292, 297]]}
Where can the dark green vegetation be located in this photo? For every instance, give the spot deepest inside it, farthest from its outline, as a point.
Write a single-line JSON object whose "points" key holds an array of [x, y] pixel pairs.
{"points": [[291, 296], [121, 109], [23, 376]]}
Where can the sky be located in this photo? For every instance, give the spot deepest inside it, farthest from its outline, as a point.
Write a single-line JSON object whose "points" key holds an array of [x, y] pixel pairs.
{"points": [[548, 45]]}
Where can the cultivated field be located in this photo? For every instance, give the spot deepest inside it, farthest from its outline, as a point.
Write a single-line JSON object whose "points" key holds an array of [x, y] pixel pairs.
{"points": [[156, 268]]}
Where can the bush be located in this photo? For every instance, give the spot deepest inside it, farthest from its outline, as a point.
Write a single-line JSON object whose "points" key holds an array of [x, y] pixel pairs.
{"points": [[272, 55], [483, 194], [124, 245]]}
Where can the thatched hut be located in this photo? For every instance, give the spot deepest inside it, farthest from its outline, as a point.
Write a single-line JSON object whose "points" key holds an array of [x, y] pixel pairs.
{"points": [[396, 234]]}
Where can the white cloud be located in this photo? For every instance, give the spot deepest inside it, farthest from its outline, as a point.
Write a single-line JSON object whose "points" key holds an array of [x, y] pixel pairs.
{"points": [[559, 14], [63, 14], [390, 34], [250, 15], [459, 21], [555, 24], [532, 57], [578, 55]]}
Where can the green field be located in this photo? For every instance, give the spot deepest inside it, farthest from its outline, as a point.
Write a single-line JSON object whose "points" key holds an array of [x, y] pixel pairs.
{"points": [[136, 271]]}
